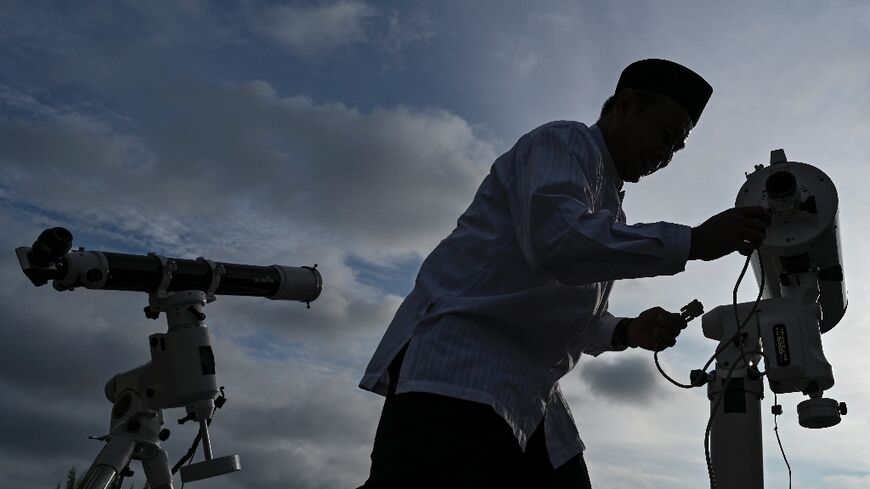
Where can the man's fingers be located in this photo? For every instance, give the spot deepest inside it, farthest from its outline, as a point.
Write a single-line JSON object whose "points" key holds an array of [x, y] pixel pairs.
{"points": [[755, 224], [756, 212], [668, 328], [753, 236], [665, 343], [672, 321]]}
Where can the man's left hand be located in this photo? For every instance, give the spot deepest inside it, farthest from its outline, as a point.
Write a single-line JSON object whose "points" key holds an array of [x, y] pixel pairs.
{"points": [[655, 329]]}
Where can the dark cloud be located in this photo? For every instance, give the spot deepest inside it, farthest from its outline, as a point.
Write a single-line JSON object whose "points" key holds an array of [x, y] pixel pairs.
{"points": [[626, 379]]}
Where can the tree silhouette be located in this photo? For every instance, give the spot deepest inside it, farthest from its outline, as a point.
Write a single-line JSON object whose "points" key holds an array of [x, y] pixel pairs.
{"points": [[71, 479], [76, 483]]}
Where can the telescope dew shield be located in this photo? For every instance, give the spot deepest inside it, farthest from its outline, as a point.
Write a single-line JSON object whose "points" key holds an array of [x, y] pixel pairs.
{"points": [[296, 282], [804, 236]]}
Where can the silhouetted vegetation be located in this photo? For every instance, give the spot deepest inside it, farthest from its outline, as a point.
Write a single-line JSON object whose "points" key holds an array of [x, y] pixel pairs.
{"points": [[76, 483]]}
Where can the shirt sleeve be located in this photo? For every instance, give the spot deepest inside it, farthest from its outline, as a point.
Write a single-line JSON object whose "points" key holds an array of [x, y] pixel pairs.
{"points": [[557, 229], [601, 337]]}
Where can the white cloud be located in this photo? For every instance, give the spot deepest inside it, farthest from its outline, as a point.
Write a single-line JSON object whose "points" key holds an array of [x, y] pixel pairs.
{"points": [[264, 161], [315, 29], [847, 481]]}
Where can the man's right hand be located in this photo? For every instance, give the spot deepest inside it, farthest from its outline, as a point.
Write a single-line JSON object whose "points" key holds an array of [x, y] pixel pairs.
{"points": [[739, 229]]}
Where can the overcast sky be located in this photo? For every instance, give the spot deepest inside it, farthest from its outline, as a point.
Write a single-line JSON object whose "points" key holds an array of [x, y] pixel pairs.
{"points": [[352, 134]]}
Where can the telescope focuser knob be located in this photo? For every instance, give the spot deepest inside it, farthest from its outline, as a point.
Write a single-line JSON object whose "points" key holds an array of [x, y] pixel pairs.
{"points": [[776, 409], [150, 313], [200, 316], [843, 409]]}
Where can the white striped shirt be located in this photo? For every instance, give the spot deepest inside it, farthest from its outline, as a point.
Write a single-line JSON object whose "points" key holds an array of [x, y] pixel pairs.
{"points": [[511, 299]]}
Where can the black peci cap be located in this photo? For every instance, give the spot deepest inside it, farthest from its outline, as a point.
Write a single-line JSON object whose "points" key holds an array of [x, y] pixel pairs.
{"points": [[682, 85]]}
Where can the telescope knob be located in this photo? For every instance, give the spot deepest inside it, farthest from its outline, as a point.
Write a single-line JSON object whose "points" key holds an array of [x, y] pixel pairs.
{"points": [[200, 316]]}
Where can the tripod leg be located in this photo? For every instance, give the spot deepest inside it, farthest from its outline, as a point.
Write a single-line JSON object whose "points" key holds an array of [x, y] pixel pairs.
{"points": [[157, 469], [112, 459]]}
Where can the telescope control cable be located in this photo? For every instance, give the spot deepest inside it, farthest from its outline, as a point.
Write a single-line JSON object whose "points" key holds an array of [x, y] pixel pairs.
{"points": [[699, 378]]}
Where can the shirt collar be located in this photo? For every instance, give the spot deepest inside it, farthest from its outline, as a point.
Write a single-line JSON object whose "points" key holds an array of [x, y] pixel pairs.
{"points": [[609, 165]]}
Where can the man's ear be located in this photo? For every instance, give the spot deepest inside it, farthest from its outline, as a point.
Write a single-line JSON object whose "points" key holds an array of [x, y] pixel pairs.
{"points": [[626, 102]]}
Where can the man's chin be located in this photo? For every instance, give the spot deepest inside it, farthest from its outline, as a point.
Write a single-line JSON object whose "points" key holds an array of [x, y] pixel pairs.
{"points": [[635, 175], [641, 170]]}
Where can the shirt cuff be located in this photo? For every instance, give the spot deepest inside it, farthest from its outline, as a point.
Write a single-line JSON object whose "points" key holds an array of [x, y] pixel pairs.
{"points": [[679, 242], [601, 339]]}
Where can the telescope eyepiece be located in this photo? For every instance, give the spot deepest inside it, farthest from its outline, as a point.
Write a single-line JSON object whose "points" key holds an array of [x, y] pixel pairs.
{"points": [[50, 245], [781, 185]]}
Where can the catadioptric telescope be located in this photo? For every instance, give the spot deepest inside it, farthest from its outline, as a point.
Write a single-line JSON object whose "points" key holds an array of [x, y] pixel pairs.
{"points": [[181, 372], [799, 269]]}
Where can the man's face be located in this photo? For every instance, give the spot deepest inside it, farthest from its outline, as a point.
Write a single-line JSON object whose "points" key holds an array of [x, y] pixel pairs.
{"points": [[649, 137]]}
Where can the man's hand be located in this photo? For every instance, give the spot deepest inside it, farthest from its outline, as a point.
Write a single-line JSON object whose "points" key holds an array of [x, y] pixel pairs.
{"points": [[655, 329], [739, 229]]}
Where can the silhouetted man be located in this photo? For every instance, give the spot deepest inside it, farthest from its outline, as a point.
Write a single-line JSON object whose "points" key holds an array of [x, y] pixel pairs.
{"points": [[511, 299]]}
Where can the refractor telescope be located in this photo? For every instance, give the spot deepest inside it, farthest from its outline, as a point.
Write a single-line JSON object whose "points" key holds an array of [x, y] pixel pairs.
{"points": [[50, 259], [182, 370]]}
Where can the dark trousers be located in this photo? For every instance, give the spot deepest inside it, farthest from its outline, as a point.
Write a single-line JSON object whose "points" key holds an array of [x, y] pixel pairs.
{"points": [[426, 440]]}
